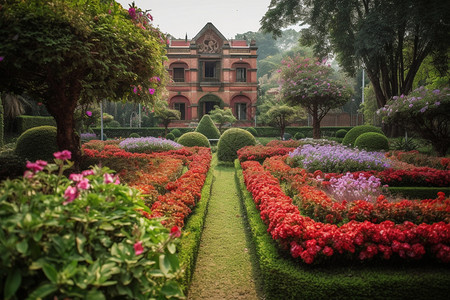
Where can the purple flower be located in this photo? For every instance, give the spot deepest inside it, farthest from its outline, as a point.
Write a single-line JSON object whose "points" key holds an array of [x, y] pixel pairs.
{"points": [[151, 91], [436, 92], [423, 109], [411, 105], [135, 90], [89, 113], [2, 58], [70, 194], [437, 103], [132, 12], [62, 155]]}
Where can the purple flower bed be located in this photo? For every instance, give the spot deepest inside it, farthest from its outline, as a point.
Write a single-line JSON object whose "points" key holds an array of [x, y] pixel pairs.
{"points": [[148, 145]]}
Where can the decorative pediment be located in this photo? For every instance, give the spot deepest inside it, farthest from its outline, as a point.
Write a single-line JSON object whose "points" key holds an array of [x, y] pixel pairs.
{"points": [[209, 39]]}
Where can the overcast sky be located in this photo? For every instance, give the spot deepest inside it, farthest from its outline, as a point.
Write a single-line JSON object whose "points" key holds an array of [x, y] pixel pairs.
{"points": [[179, 17]]}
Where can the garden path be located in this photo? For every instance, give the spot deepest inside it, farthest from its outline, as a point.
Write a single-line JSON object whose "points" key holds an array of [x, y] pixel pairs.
{"points": [[224, 267]]}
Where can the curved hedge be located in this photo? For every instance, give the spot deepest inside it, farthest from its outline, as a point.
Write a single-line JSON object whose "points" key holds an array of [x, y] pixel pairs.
{"points": [[231, 141], [372, 141], [192, 139], [37, 143], [352, 134]]}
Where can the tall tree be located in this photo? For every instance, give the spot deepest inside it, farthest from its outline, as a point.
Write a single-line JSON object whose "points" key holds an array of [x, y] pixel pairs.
{"points": [[310, 83], [390, 39], [166, 114], [68, 52], [281, 115]]}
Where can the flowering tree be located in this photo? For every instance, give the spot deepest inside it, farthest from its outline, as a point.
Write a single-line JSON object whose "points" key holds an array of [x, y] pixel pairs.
{"points": [[67, 53], [310, 84], [424, 112]]}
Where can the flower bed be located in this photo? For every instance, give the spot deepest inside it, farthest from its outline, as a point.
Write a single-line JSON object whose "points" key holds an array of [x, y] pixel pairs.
{"points": [[316, 241], [260, 153], [421, 160]]}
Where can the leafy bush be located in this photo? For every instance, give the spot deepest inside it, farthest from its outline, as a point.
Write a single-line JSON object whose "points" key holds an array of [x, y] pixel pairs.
{"points": [[113, 124], [148, 145], [25, 122], [207, 127], [134, 135], [405, 144], [176, 132], [352, 134], [11, 166], [170, 136], [341, 133], [37, 143], [82, 238], [192, 139], [252, 131], [231, 141], [372, 141], [287, 136], [299, 136]]}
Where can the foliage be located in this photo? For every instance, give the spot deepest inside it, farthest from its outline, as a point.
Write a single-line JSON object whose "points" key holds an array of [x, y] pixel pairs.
{"points": [[66, 53], [299, 135], [341, 133], [134, 135], [425, 113], [281, 115], [405, 144], [309, 83], [372, 141], [2, 124], [176, 132], [37, 143], [253, 131], [222, 116], [148, 145], [192, 139], [208, 128], [337, 158], [25, 122], [384, 39], [81, 237], [166, 114], [11, 166], [113, 123], [355, 132], [231, 141], [170, 136]]}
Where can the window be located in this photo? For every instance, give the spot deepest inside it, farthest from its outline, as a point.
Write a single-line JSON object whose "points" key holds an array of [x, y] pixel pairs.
{"points": [[210, 69], [241, 111], [181, 107], [241, 75], [178, 74]]}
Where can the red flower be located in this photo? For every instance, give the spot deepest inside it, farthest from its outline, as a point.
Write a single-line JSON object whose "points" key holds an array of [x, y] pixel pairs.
{"points": [[138, 249], [175, 232]]}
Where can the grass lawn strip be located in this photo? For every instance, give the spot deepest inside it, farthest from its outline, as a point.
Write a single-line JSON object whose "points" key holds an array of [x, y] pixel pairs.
{"points": [[223, 269]]}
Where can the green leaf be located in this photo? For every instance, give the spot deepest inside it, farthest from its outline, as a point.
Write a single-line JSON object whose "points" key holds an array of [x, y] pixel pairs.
{"points": [[12, 283], [95, 295], [174, 263], [80, 239], [172, 248], [71, 269], [22, 247], [50, 272], [38, 235], [164, 264], [42, 291], [171, 289]]}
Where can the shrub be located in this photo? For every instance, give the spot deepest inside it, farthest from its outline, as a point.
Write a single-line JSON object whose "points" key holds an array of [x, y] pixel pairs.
{"points": [[192, 139], [287, 136], [114, 124], [252, 131], [82, 237], [37, 143], [352, 134], [11, 166], [372, 141], [299, 136], [134, 135], [207, 127], [176, 132], [25, 122], [170, 136], [231, 141], [341, 133]]}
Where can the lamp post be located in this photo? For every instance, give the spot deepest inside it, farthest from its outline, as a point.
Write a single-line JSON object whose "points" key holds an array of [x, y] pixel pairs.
{"points": [[101, 120]]}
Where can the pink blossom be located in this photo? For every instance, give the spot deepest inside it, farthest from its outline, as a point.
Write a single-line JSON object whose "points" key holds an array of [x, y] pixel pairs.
{"points": [[70, 194], [65, 154], [135, 90], [108, 178], [76, 177], [35, 167], [2, 58], [89, 113], [28, 174], [42, 163], [132, 12], [151, 91], [138, 249], [87, 172], [84, 184]]}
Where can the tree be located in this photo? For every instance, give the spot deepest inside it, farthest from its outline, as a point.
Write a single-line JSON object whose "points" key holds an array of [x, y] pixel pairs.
{"points": [[166, 114], [222, 116], [281, 115], [68, 52], [425, 112], [309, 83], [390, 39]]}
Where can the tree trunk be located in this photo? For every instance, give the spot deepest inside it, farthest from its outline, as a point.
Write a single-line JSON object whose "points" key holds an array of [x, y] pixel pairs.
{"points": [[316, 123]]}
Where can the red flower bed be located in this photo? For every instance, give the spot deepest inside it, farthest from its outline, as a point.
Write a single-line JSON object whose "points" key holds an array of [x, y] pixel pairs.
{"points": [[312, 241], [421, 160], [260, 153]]}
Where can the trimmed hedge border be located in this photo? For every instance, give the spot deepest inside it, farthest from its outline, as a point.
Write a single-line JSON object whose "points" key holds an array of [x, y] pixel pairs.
{"points": [[326, 131], [284, 279], [190, 243], [418, 192], [25, 122], [124, 132]]}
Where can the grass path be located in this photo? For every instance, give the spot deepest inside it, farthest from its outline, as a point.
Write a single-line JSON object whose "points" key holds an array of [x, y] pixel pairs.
{"points": [[224, 267]]}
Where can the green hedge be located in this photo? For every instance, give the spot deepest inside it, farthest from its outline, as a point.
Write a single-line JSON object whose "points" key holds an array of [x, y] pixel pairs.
{"points": [[419, 192], [190, 243], [26, 122], [2, 124], [329, 131], [143, 131], [283, 278]]}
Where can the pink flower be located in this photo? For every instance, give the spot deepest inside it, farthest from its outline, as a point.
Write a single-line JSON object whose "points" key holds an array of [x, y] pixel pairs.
{"points": [[28, 174], [175, 232], [70, 194], [135, 90], [65, 154], [76, 177], [132, 12], [35, 167], [2, 58], [151, 91], [84, 184], [108, 178], [89, 113], [138, 249], [87, 172]]}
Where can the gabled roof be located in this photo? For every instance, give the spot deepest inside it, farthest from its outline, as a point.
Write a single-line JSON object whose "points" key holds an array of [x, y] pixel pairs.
{"points": [[179, 43], [208, 26]]}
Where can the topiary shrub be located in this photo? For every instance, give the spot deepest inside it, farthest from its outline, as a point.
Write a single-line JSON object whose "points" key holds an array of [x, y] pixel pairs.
{"points": [[114, 124], [372, 141], [299, 136], [207, 127], [37, 143], [170, 136], [341, 133], [176, 132], [134, 135], [352, 134], [231, 141], [287, 136], [252, 131], [192, 139]]}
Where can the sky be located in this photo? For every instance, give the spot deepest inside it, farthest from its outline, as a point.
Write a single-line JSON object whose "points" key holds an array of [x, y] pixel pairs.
{"points": [[181, 17]]}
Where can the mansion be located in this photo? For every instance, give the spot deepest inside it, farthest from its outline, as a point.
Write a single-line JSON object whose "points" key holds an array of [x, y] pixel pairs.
{"points": [[210, 70]]}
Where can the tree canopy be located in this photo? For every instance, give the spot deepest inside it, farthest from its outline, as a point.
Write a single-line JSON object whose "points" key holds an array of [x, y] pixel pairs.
{"points": [[222, 116], [65, 53], [390, 39]]}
